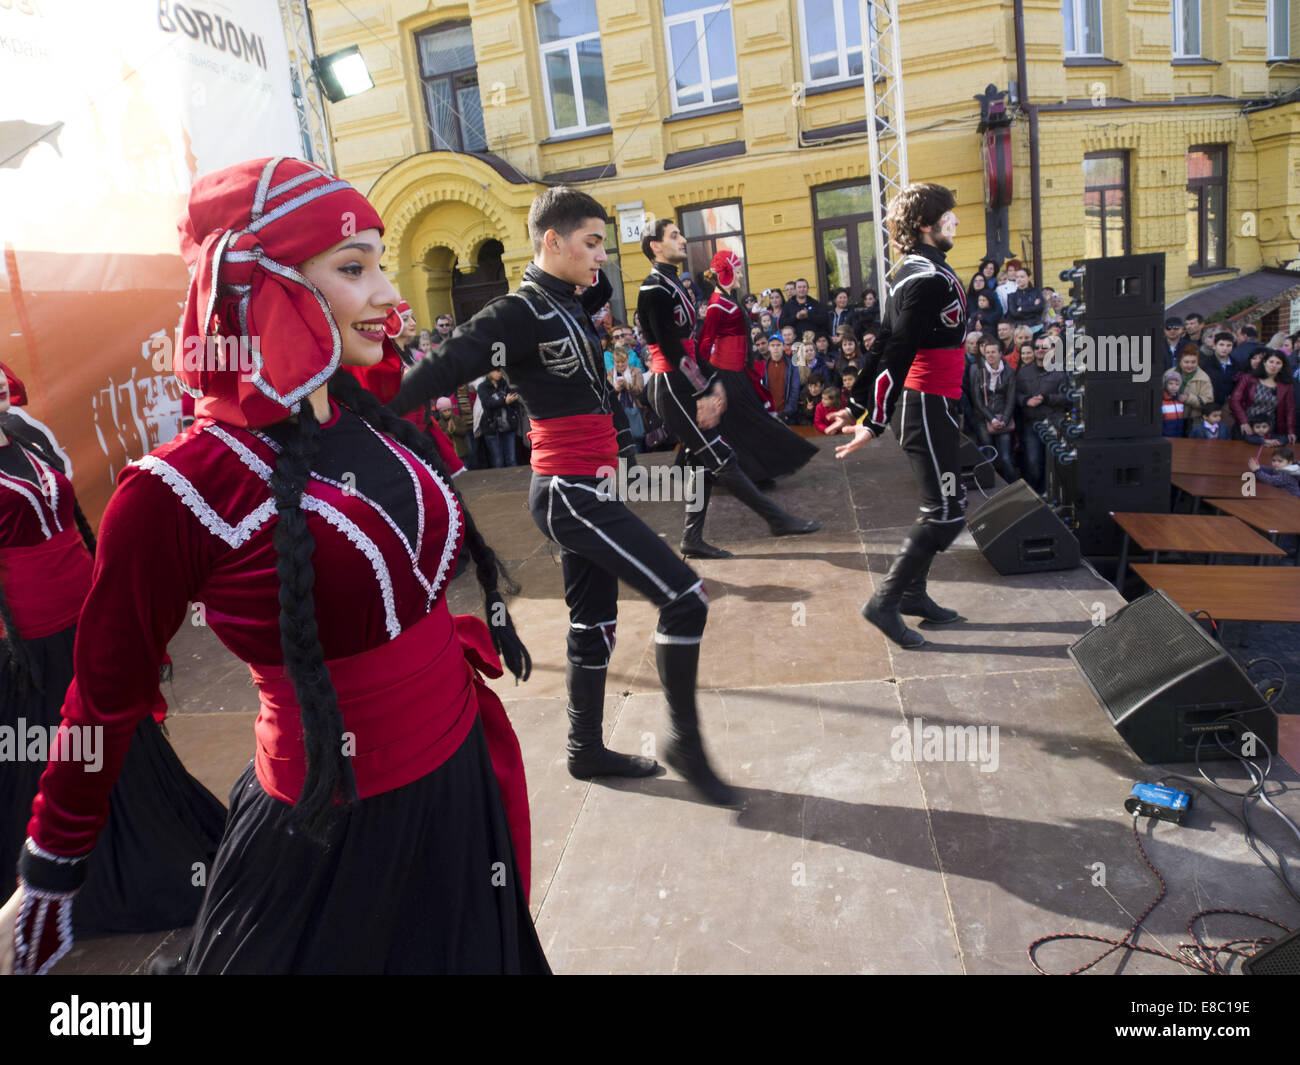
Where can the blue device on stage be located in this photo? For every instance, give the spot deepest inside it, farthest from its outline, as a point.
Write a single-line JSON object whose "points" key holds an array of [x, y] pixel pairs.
{"points": [[1158, 801]]}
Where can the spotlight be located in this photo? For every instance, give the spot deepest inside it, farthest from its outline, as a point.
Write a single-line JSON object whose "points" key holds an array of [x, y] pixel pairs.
{"points": [[342, 74]]}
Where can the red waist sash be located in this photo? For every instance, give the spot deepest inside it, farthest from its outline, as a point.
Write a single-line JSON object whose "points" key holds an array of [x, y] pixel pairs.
{"points": [[659, 362], [46, 584], [729, 353], [576, 444], [937, 371], [408, 706]]}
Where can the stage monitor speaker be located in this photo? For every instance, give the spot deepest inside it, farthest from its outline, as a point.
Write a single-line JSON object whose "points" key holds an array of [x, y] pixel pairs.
{"points": [[1167, 685], [1096, 477], [1124, 286], [1119, 348], [976, 469], [1281, 958], [1115, 408], [1018, 533]]}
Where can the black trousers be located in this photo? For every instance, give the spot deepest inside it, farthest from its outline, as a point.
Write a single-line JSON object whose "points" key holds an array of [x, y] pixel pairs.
{"points": [[673, 399], [926, 427], [603, 543]]}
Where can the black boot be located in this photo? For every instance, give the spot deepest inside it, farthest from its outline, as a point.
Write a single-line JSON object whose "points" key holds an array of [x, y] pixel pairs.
{"points": [[781, 523], [918, 604], [678, 664], [693, 544], [588, 755], [882, 608]]}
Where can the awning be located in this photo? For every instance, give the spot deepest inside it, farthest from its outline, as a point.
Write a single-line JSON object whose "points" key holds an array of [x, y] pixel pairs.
{"points": [[1268, 287]]}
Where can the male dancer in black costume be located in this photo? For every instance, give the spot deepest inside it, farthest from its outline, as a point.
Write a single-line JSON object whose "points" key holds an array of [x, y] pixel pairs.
{"points": [[678, 381], [912, 378], [543, 337]]}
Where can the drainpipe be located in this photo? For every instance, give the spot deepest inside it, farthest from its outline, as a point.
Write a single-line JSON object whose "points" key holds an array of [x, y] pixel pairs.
{"points": [[1031, 112]]}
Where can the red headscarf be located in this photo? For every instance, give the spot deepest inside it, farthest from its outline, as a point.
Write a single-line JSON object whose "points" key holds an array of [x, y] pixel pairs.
{"points": [[17, 393], [724, 266], [243, 234]]}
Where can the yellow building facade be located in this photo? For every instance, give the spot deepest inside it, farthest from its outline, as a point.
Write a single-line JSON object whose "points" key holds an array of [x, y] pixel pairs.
{"points": [[1158, 131]]}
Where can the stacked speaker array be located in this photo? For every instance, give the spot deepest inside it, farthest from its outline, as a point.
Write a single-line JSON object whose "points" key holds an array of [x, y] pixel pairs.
{"points": [[1107, 452]]}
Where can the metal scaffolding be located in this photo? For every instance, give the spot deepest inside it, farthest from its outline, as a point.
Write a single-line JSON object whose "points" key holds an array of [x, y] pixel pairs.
{"points": [[886, 122], [312, 123]]}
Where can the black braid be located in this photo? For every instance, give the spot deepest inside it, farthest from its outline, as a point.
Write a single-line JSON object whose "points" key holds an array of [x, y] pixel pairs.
{"points": [[17, 658], [492, 574], [329, 771], [83, 527]]}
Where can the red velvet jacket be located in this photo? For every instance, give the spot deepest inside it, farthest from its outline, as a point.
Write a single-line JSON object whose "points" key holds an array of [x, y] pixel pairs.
{"points": [[192, 523]]}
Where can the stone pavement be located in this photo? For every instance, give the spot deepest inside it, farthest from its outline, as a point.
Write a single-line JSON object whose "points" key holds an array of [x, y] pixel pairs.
{"points": [[849, 857]]}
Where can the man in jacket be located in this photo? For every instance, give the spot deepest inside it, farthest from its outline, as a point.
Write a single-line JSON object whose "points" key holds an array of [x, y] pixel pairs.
{"points": [[804, 312], [1038, 395]]}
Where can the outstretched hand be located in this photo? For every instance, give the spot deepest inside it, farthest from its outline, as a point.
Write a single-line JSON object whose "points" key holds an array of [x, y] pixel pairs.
{"points": [[840, 421], [709, 409], [861, 437]]}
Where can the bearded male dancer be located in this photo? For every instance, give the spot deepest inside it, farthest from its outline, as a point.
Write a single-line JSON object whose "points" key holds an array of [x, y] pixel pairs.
{"points": [[912, 379], [542, 335], [680, 382]]}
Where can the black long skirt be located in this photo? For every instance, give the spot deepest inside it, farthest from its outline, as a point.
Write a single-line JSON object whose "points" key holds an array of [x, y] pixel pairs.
{"points": [[420, 879], [147, 870], [766, 446]]}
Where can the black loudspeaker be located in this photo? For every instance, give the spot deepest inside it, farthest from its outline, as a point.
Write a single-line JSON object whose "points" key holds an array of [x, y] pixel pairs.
{"points": [[1281, 958], [1118, 348], [1166, 685], [1096, 477], [1112, 408], [1017, 532], [1125, 286], [976, 469]]}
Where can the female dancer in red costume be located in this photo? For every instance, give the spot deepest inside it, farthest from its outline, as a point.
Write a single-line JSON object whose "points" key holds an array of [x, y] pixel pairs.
{"points": [[382, 825], [766, 447]]}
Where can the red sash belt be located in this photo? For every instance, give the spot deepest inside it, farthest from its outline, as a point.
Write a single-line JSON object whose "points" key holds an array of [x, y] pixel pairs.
{"points": [[47, 584], [576, 444], [660, 364], [408, 705], [937, 371], [729, 353]]}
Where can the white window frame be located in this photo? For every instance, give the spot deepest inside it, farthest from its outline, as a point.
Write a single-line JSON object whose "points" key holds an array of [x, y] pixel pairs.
{"points": [[1078, 19], [841, 45], [569, 45], [1274, 7], [701, 17], [1180, 33]]}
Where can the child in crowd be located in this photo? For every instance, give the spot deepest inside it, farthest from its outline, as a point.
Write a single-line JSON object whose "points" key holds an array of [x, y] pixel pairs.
{"points": [[831, 402], [1261, 432], [1284, 474], [1212, 426], [1171, 407], [848, 378], [809, 398]]}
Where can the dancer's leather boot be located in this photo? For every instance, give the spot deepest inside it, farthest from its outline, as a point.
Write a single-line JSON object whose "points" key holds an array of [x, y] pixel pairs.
{"points": [[781, 523], [693, 545], [917, 603], [678, 665], [882, 609], [588, 755]]}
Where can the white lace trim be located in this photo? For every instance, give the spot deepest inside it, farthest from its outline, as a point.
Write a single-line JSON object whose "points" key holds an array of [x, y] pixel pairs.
{"points": [[52, 496], [367, 547], [415, 483], [38, 851], [34, 898], [453, 521], [234, 535], [246, 455], [23, 489]]}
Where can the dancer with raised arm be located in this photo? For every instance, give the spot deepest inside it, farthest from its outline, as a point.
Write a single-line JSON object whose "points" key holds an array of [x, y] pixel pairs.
{"points": [[382, 825], [912, 381], [542, 336]]}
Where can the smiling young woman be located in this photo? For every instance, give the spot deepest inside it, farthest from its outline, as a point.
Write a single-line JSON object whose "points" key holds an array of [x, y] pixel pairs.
{"points": [[382, 825]]}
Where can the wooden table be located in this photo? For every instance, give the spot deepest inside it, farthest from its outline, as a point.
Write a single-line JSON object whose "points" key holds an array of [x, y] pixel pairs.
{"points": [[1208, 534], [1230, 593], [1214, 456], [1221, 486], [1276, 517]]}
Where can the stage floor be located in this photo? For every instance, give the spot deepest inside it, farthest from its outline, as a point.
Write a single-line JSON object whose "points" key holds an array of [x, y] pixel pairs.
{"points": [[850, 857]]}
